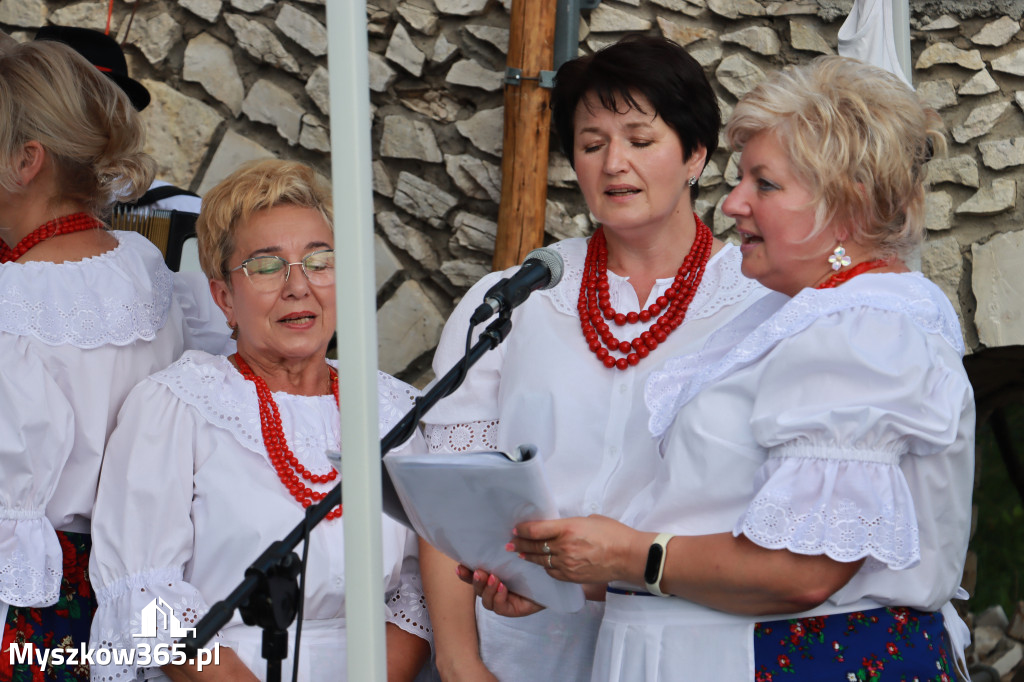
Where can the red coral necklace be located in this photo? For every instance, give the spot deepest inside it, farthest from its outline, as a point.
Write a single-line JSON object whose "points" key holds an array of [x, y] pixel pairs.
{"points": [[288, 468], [76, 222], [594, 305], [845, 275]]}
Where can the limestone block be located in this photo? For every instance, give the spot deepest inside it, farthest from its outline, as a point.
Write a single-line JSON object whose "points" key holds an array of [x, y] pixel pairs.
{"points": [[997, 281], [318, 87], [943, 23], [759, 39], [178, 132], [484, 129], [436, 104], [993, 616], [463, 273], [985, 639], [85, 14], [684, 34], [738, 75], [381, 180], [721, 222], [462, 8], [608, 19], [408, 325], [27, 13], [560, 173], [204, 9], [303, 29], [561, 224], [998, 198], [996, 33], [942, 263], [733, 9], [402, 51], [980, 121], [937, 94], [806, 36], [210, 63], [442, 50], [684, 6], [155, 37], [385, 263], [423, 199], [495, 35], [980, 83], [476, 178], [999, 154], [408, 239], [711, 176], [232, 152], [475, 232], [269, 103], [1010, 63], [707, 56], [1008, 661], [948, 53], [406, 138], [381, 75], [419, 18], [469, 73], [600, 41], [938, 211], [791, 7], [732, 170], [260, 42], [962, 170], [314, 134], [251, 6]]}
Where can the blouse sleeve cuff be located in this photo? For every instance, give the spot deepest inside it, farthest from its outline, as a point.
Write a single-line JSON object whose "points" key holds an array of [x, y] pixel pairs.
{"points": [[407, 608], [31, 560], [848, 506], [142, 616]]}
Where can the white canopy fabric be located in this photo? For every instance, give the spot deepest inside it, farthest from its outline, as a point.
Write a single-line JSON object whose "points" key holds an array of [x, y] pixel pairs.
{"points": [[878, 32]]}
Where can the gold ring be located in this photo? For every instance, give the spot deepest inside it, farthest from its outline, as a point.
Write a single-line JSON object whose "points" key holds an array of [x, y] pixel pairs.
{"points": [[549, 561], [546, 549]]}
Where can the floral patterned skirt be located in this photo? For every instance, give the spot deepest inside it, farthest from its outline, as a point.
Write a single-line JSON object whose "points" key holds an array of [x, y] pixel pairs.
{"points": [[892, 643], [63, 625]]}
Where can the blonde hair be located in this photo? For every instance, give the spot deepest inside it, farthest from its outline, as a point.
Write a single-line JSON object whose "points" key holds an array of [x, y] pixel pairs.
{"points": [[52, 95], [251, 188], [857, 137]]}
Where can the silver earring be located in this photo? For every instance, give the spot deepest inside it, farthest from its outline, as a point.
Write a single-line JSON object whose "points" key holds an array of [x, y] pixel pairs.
{"points": [[839, 259], [693, 180]]}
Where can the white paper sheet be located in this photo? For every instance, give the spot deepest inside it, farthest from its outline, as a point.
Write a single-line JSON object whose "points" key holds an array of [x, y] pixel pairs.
{"points": [[466, 505]]}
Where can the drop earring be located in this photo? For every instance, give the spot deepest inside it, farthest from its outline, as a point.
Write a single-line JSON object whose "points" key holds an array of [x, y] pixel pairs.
{"points": [[839, 259]]}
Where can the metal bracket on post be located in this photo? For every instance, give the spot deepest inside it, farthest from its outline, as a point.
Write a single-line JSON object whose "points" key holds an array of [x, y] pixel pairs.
{"points": [[514, 76]]}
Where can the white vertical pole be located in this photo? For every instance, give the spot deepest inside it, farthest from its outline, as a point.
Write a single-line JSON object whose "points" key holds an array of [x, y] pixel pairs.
{"points": [[357, 334], [901, 36]]}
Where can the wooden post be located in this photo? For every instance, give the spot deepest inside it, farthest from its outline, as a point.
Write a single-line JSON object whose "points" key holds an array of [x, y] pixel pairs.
{"points": [[524, 161]]}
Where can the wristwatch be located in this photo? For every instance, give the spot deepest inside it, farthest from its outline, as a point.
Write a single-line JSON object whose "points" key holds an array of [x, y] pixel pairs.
{"points": [[656, 564]]}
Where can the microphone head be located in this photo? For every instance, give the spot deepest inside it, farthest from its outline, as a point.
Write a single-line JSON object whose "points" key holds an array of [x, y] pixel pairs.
{"points": [[551, 260]]}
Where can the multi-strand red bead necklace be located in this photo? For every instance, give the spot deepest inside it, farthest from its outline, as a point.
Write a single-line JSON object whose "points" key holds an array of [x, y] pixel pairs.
{"points": [[288, 468], [76, 222], [594, 305], [845, 275]]}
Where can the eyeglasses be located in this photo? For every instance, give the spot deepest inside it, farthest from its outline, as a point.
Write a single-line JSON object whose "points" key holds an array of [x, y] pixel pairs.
{"points": [[269, 273]]}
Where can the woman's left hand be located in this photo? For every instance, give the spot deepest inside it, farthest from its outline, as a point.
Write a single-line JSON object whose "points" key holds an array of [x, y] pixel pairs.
{"points": [[594, 549], [494, 596]]}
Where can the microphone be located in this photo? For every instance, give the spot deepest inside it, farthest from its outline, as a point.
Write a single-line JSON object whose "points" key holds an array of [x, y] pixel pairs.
{"points": [[542, 269]]}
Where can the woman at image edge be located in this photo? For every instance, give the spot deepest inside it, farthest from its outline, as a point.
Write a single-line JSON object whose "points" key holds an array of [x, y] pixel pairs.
{"points": [[637, 120], [812, 515]]}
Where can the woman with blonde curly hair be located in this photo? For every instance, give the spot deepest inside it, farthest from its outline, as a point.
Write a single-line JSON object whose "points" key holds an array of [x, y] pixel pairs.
{"points": [[810, 521], [85, 313], [220, 455]]}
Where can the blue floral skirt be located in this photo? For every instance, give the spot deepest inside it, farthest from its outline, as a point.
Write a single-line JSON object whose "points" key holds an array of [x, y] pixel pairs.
{"points": [[64, 625], [893, 643]]}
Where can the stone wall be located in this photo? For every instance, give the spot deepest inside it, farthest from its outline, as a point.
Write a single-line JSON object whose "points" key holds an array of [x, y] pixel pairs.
{"points": [[234, 80]]}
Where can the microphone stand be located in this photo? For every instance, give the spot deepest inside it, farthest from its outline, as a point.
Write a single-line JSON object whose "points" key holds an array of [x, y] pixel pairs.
{"points": [[268, 595]]}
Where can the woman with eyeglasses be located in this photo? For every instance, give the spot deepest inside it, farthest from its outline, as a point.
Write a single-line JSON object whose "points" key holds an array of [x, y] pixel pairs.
{"points": [[217, 457]]}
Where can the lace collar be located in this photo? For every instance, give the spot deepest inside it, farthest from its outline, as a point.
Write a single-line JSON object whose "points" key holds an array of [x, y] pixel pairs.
{"points": [[116, 298], [211, 385], [774, 318], [723, 283]]}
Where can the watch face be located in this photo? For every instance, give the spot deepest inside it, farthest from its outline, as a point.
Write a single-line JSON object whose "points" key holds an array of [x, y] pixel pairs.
{"points": [[653, 566]]}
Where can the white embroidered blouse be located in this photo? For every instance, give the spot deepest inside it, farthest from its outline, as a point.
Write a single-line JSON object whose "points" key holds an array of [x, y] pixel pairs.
{"points": [[188, 460], [75, 337]]}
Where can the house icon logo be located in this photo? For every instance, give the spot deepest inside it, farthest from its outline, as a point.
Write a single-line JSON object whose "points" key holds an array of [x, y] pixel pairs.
{"points": [[158, 615]]}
